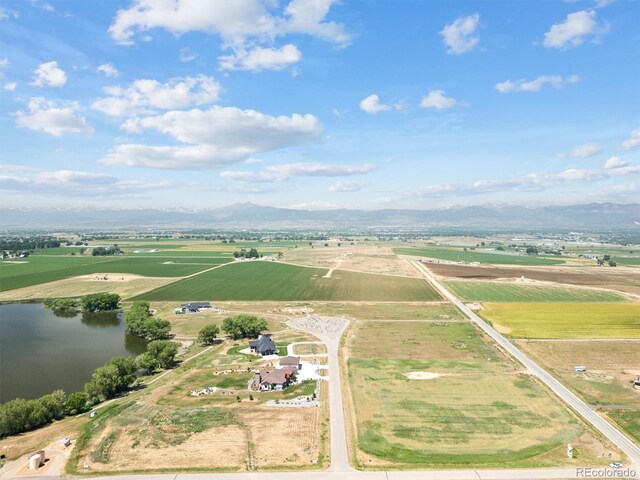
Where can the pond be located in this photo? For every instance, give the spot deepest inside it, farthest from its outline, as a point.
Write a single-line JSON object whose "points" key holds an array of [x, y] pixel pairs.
{"points": [[41, 352]]}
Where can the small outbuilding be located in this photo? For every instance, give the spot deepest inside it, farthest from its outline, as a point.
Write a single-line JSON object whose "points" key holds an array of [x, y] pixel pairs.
{"points": [[290, 361]]}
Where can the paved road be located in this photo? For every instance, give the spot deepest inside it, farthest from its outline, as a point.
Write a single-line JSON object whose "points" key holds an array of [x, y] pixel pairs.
{"points": [[613, 434], [330, 330]]}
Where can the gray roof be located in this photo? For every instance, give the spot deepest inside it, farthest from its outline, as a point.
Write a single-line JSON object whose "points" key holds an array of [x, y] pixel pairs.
{"points": [[265, 344]]}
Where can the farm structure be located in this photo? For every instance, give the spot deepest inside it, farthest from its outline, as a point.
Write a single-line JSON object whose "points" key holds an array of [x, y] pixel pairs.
{"points": [[263, 345], [193, 307]]}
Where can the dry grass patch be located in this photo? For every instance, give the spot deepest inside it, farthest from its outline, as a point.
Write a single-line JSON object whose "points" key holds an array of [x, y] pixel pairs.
{"points": [[611, 368], [125, 285], [475, 410]]}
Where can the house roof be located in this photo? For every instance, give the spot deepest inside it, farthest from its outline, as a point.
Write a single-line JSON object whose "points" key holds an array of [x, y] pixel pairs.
{"points": [[290, 360], [264, 343], [196, 305], [275, 377]]}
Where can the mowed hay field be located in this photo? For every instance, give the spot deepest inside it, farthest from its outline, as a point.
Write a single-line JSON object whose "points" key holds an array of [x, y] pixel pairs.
{"points": [[125, 285], [260, 280], [438, 394], [564, 320], [518, 292], [35, 270], [453, 254]]}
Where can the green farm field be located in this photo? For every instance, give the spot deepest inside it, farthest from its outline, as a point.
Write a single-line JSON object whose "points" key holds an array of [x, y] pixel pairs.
{"points": [[565, 320], [629, 421], [457, 254], [513, 292], [472, 408], [277, 281], [35, 270]]}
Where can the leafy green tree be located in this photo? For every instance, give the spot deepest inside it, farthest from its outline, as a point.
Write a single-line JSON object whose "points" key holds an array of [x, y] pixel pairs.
{"points": [[111, 379], [76, 403], [208, 334], [244, 326], [142, 324], [62, 305], [163, 352], [53, 404], [146, 363], [100, 302]]}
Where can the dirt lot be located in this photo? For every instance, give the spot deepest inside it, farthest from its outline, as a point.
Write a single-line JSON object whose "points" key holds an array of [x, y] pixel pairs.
{"points": [[360, 258], [612, 365], [590, 276]]}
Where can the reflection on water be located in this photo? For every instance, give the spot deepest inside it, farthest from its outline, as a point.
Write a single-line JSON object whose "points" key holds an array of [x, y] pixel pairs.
{"points": [[101, 319], [41, 351]]}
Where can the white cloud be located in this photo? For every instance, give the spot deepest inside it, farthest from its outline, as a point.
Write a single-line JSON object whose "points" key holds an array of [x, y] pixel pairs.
{"points": [[583, 151], [4, 62], [531, 181], [633, 141], [148, 96], [215, 136], [109, 70], [243, 26], [459, 36], [315, 205], [573, 31], [261, 58], [536, 85], [437, 99], [74, 183], [10, 86], [282, 172], [46, 116], [615, 162], [186, 55], [49, 74], [372, 104], [346, 186]]}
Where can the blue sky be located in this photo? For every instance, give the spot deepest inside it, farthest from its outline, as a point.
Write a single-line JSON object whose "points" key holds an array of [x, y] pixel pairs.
{"points": [[319, 103]]}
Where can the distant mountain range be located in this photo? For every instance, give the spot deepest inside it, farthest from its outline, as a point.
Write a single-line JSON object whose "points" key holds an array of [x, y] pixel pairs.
{"points": [[250, 216]]}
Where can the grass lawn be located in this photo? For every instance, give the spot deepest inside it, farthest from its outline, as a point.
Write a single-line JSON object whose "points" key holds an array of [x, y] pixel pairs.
{"points": [[565, 320], [480, 411], [458, 254], [513, 292], [277, 281]]}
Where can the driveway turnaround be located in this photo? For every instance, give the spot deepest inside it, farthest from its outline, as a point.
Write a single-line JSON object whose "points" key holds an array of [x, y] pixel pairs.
{"points": [[614, 435]]}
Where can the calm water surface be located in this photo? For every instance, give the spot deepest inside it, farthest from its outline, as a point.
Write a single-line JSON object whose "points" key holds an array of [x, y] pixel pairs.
{"points": [[40, 352]]}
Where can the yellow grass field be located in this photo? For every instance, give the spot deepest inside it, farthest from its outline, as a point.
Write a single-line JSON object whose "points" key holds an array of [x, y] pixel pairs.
{"points": [[565, 320]]}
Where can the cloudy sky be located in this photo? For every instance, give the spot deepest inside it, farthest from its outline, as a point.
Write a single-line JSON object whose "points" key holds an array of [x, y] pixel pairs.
{"points": [[318, 103]]}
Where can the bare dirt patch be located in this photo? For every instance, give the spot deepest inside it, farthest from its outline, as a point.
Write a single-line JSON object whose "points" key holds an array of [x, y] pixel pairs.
{"points": [[359, 258], [588, 276]]}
